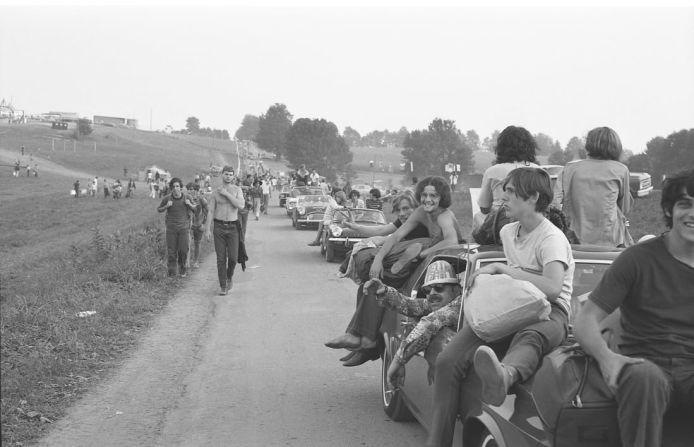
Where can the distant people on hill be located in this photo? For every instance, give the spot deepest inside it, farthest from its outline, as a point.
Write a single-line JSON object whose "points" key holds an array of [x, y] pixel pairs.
{"points": [[16, 169], [131, 188], [36, 170], [107, 193], [76, 186], [117, 189], [178, 207]]}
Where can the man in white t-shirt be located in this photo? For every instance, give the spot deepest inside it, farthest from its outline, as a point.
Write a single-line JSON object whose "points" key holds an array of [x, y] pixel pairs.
{"points": [[538, 252]]}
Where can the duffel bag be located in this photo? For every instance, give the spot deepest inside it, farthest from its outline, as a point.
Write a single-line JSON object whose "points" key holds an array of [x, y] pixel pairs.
{"points": [[573, 400]]}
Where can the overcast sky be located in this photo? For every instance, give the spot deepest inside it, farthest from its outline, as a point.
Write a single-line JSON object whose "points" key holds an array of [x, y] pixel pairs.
{"points": [[560, 71]]}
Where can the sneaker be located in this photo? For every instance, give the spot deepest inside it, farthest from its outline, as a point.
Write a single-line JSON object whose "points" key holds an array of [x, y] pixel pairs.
{"points": [[223, 291], [411, 254], [313, 244], [196, 265], [496, 378], [230, 284]]}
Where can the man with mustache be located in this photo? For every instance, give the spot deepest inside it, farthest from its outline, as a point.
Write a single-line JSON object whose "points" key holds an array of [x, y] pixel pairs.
{"points": [[440, 308]]}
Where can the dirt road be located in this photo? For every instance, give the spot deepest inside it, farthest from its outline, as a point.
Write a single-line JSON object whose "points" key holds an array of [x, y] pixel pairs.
{"points": [[246, 369]]}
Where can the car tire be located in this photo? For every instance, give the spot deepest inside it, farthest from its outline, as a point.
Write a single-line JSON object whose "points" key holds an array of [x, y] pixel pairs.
{"points": [[329, 252], [486, 439], [393, 402]]}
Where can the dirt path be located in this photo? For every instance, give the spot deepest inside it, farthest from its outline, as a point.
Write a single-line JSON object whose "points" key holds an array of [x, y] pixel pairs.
{"points": [[247, 369]]}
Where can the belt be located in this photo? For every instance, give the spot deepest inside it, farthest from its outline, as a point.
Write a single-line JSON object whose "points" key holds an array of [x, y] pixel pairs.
{"points": [[225, 222]]}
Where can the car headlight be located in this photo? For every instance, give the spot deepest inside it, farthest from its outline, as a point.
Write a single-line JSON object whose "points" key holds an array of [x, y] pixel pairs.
{"points": [[336, 230], [301, 210]]}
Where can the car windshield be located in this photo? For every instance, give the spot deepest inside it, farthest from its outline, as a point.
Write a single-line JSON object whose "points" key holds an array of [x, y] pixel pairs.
{"points": [[314, 200], [368, 216]]}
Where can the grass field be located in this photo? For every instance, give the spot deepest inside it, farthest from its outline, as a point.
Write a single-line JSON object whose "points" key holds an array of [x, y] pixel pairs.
{"points": [[63, 255]]}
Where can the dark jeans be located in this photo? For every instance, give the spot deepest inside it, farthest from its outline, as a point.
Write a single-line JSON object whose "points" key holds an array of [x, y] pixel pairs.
{"points": [[367, 317], [197, 237], [177, 250], [226, 245], [645, 393], [525, 351]]}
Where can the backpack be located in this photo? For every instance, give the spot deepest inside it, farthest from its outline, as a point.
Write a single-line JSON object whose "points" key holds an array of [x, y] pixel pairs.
{"points": [[488, 232], [573, 400]]}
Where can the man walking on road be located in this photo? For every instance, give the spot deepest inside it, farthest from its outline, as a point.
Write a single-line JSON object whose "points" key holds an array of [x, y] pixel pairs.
{"points": [[199, 219], [224, 207], [178, 207]]}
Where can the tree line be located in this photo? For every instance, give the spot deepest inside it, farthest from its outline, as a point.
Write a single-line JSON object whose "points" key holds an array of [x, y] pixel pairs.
{"points": [[193, 128], [319, 144]]}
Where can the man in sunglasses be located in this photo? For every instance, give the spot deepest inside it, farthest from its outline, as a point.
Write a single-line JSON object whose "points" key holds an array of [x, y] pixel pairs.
{"points": [[440, 308]]}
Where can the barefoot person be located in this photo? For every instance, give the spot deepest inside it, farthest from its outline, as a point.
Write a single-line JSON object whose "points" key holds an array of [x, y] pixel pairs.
{"points": [[224, 207]]}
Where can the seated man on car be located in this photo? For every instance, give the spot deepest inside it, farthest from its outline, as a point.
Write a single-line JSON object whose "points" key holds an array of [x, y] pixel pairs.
{"points": [[652, 283], [439, 309]]}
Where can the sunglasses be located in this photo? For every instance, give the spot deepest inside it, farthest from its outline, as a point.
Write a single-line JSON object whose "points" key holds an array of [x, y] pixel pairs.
{"points": [[438, 288]]}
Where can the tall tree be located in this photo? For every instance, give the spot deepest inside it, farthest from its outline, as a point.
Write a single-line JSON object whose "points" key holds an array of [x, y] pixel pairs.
{"points": [[192, 124], [273, 127], [317, 144], [249, 128], [545, 144], [351, 136], [473, 140], [431, 149], [575, 149], [489, 143], [671, 154]]}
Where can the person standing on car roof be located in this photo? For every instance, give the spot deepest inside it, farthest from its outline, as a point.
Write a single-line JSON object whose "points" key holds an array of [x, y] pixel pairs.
{"points": [[224, 206], [652, 283]]}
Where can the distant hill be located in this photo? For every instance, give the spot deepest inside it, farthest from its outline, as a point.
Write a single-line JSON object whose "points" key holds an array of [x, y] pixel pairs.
{"points": [[108, 150]]}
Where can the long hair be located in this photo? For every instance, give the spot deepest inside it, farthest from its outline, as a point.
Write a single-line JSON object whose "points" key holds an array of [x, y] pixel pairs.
{"points": [[440, 185], [405, 195], [515, 144], [603, 143]]}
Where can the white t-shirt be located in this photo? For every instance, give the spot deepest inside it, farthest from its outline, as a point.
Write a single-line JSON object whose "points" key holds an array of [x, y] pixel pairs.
{"points": [[265, 187], [531, 252], [491, 192]]}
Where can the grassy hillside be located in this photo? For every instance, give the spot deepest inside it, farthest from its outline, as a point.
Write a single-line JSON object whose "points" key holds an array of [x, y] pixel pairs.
{"points": [[117, 148]]}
